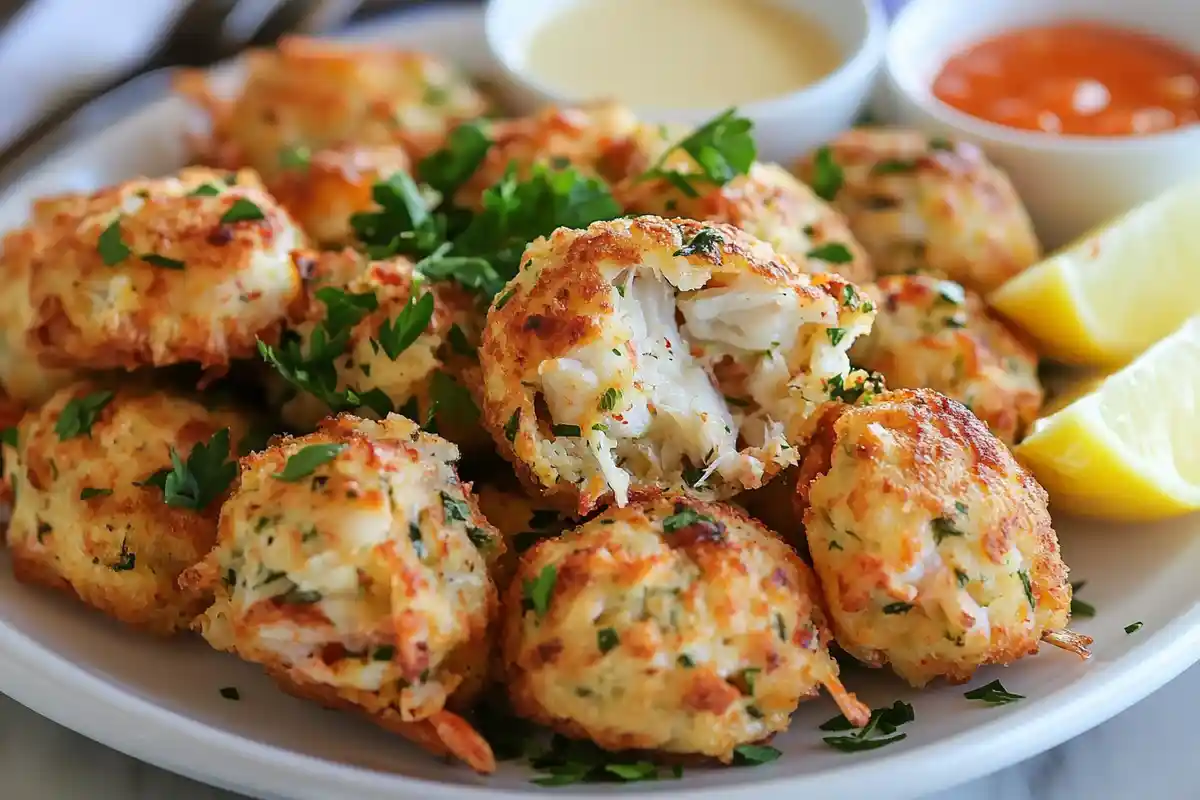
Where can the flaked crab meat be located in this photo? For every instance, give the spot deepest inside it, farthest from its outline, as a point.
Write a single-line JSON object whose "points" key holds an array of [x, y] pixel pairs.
{"points": [[645, 354]]}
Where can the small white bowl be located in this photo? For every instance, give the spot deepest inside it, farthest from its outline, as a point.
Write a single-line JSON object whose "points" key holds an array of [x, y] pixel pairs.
{"points": [[785, 126], [1070, 184]]}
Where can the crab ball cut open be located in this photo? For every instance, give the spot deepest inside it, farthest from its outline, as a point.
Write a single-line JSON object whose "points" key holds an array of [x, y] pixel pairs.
{"points": [[351, 564], [648, 354], [933, 546], [670, 625]]}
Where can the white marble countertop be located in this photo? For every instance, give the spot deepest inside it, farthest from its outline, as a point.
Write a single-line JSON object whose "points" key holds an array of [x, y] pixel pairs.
{"points": [[1144, 752]]}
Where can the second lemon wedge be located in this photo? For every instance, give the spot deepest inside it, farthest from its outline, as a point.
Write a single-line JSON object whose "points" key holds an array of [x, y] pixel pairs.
{"points": [[1130, 448], [1116, 291]]}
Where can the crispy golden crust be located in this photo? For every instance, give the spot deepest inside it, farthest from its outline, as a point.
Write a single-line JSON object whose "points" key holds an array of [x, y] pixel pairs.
{"points": [[440, 366], [917, 203], [227, 284], [586, 337], [670, 625], [362, 582], [581, 137], [82, 524], [316, 94], [333, 185], [933, 547], [930, 333]]}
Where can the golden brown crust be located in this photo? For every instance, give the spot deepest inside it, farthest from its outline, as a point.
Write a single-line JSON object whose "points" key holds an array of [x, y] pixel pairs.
{"points": [[671, 625], [931, 333], [82, 524], [933, 546], [929, 204], [319, 94], [225, 284]]}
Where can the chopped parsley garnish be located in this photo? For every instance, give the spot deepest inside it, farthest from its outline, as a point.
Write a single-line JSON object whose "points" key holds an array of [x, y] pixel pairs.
{"points": [[952, 293], [304, 461], [385, 652], [866, 387], [396, 336], [451, 399], [300, 597], [880, 730], [962, 578], [88, 492], [891, 166], [402, 224], [230, 693], [201, 479], [162, 261], [722, 148], [8, 436], [568, 761], [455, 510], [941, 143], [1132, 627], [1024, 576], [836, 335], [827, 176], [204, 190], [1079, 608], [537, 591], [685, 661], [459, 342], [610, 399], [449, 168], [707, 242], [110, 247], [751, 755], [344, 310], [297, 157], [607, 639], [684, 517], [510, 427], [566, 430], [80, 413], [897, 608], [125, 560], [242, 210], [833, 253], [944, 528], [994, 694]]}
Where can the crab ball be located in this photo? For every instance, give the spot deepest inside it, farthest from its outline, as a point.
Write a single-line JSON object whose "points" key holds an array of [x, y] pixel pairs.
{"points": [[768, 202], [351, 564], [309, 94], [647, 354], [116, 493], [933, 546], [404, 345], [153, 272], [323, 190], [931, 333], [671, 625], [926, 204]]}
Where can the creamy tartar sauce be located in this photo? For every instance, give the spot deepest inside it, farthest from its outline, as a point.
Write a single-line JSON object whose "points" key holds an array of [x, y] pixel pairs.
{"points": [[680, 53]]}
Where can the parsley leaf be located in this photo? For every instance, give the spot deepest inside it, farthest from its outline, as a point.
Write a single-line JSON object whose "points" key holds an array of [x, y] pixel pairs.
{"points": [[242, 210], [897, 608], [110, 247], [568, 761], [204, 477], [79, 414], [449, 168], [344, 310], [707, 242], [1079, 608], [9, 437], [537, 592], [296, 157], [994, 694], [610, 399], [565, 430], [722, 148], [827, 176], [832, 253], [686, 516], [880, 730], [402, 223], [836, 335], [751, 755], [510, 427], [162, 261], [204, 190], [230, 693], [88, 492], [304, 461], [1024, 576], [607, 639], [396, 336], [943, 528], [1133, 627]]}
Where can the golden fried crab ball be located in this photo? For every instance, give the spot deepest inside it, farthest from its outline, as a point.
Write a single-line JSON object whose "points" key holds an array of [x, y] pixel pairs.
{"points": [[23, 378], [416, 355], [670, 625], [95, 514], [582, 138], [352, 565], [921, 204], [931, 333], [647, 354], [932, 545], [325, 189], [311, 95], [768, 203], [152, 272]]}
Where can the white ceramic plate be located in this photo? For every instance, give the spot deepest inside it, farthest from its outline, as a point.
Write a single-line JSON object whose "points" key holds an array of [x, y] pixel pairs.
{"points": [[160, 701]]}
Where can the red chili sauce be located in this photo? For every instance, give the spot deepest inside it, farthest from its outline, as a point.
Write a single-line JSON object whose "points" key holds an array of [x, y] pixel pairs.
{"points": [[1075, 78]]}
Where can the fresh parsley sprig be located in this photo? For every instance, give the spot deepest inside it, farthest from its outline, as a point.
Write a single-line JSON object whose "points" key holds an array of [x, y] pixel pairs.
{"points": [[722, 148], [880, 730], [204, 477], [994, 694]]}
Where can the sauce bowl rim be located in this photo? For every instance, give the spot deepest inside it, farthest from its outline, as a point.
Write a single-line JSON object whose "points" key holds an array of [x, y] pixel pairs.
{"points": [[866, 57], [902, 81]]}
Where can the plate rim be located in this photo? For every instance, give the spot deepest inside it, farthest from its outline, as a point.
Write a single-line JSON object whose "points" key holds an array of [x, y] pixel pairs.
{"points": [[35, 676]]}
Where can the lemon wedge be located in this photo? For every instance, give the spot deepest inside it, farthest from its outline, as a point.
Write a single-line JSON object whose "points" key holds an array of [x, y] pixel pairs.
{"points": [[1130, 448], [1104, 299]]}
